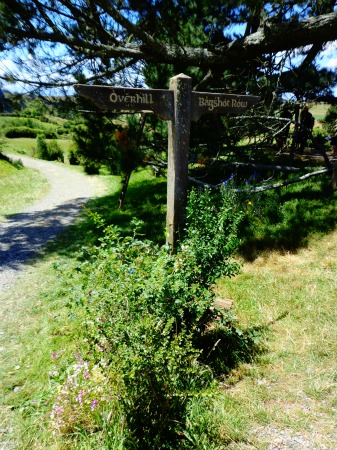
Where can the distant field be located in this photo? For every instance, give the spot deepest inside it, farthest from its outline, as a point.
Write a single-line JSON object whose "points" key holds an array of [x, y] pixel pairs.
{"points": [[16, 121], [24, 146], [27, 146], [319, 110]]}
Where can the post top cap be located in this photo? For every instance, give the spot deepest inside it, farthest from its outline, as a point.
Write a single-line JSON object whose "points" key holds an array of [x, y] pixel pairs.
{"points": [[181, 75]]}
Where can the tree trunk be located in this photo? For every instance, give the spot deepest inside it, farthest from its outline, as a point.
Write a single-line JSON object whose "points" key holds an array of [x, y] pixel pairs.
{"points": [[128, 174]]}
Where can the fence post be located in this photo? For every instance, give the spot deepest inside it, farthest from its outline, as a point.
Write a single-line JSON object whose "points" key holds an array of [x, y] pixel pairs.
{"points": [[178, 146]]}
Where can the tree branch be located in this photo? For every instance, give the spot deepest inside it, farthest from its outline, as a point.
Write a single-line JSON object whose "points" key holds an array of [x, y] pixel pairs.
{"points": [[269, 186], [288, 182], [133, 29], [270, 38]]}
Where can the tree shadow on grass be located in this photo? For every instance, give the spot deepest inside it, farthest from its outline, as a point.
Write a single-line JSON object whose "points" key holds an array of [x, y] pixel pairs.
{"points": [[300, 215], [226, 347], [309, 210], [146, 201], [301, 212], [23, 235]]}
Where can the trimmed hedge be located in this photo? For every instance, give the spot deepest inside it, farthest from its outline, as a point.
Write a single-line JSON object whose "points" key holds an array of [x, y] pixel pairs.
{"points": [[26, 132]]}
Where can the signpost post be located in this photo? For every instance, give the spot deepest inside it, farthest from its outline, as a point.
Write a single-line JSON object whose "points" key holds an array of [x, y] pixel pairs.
{"points": [[179, 105]]}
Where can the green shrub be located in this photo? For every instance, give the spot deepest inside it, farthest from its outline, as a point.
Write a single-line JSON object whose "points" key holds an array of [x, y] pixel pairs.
{"points": [[330, 119], [90, 167], [146, 311], [14, 122], [73, 157], [48, 151], [54, 151], [320, 136], [26, 132], [61, 131], [50, 134], [42, 148]]}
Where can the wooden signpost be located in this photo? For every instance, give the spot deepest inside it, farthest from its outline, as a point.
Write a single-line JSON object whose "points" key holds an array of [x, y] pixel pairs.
{"points": [[178, 105]]}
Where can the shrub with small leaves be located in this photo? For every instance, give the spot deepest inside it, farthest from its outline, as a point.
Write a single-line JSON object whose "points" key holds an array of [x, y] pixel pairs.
{"points": [[145, 310]]}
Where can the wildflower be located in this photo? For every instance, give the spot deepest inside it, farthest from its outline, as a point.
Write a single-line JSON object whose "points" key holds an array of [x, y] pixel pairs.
{"points": [[56, 355], [249, 203], [54, 373], [94, 404], [56, 411], [79, 398], [79, 359], [132, 271]]}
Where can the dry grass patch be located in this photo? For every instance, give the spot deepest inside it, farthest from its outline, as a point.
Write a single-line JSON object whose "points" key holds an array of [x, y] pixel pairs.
{"points": [[294, 385]]}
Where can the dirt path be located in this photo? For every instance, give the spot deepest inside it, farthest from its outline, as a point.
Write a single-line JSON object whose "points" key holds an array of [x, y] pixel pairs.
{"points": [[24, 234]]}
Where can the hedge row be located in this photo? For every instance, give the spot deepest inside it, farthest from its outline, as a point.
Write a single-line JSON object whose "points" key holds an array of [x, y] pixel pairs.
{"points": [[26, 132]]}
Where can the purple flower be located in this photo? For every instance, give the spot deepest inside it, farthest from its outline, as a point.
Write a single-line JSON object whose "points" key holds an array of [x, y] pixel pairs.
{"points": [[94, 404], [79, 397]]}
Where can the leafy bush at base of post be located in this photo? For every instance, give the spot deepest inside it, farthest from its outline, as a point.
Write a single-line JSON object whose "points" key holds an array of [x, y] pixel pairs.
{"points": [[145, 310]]}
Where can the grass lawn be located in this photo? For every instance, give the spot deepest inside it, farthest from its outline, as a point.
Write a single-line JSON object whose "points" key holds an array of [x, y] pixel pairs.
{"points": [[287, 297], [319, 110], [23, 146], [293, 386], [19, 188], [27, 146]]}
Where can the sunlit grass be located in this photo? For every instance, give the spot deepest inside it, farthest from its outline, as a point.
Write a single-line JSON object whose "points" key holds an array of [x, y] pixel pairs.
{"points": [[35, 324], [289, 296], [19, 188], [23, 146], [293, 296], [27, 146], [319, 110]]}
